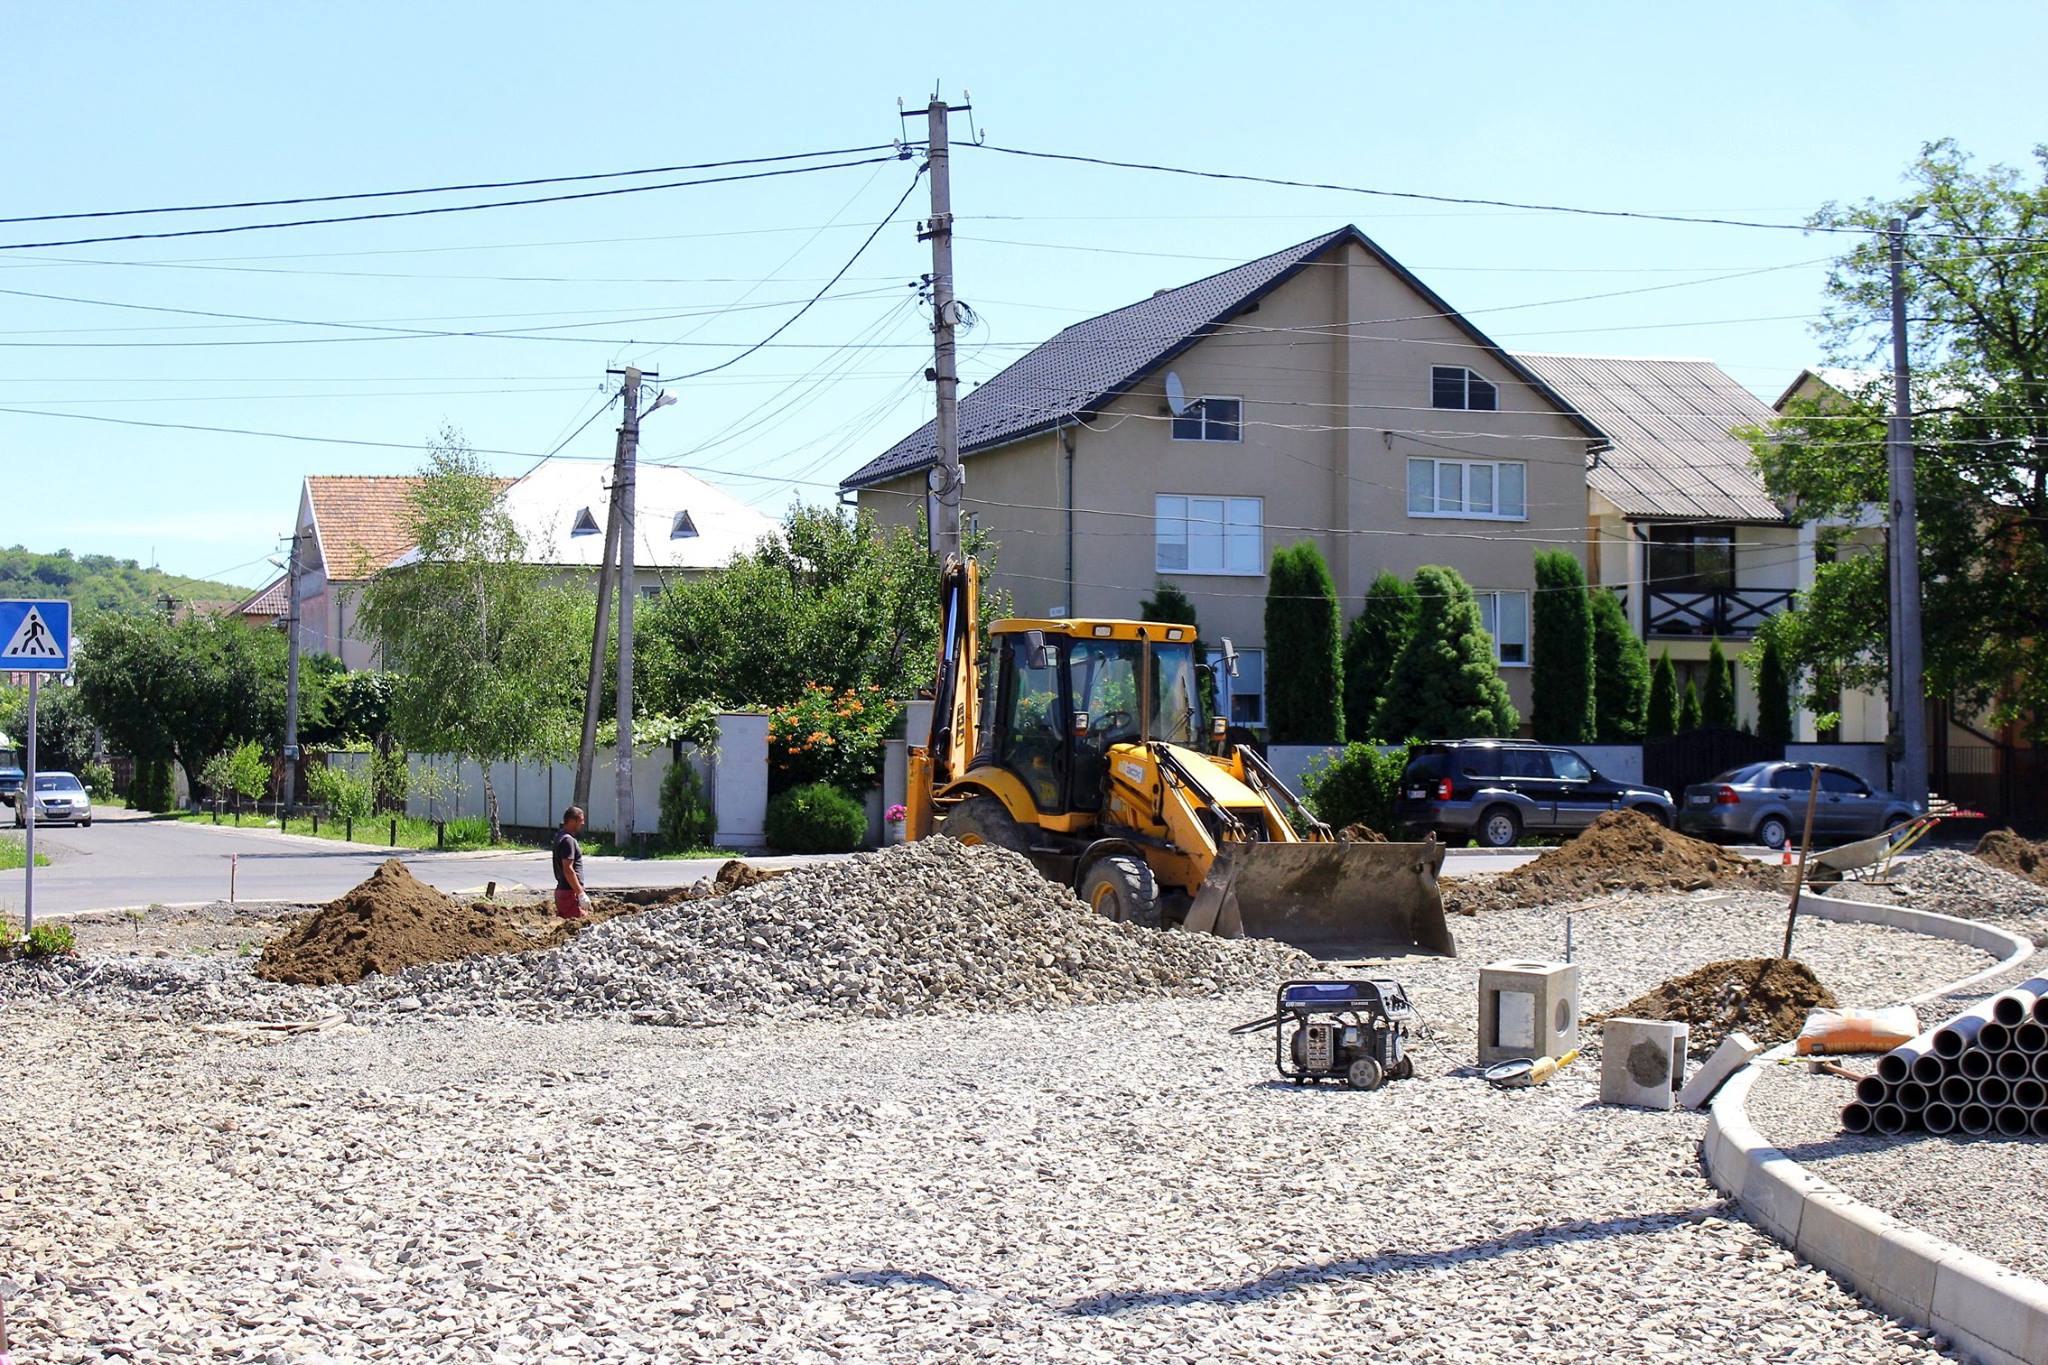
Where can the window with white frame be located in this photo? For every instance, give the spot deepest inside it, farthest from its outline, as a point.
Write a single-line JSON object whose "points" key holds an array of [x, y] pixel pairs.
{"points": [[1209, 535], [1211, 419], [1247, 689], [1505, 614], [1497, 490], [1454, 386]]}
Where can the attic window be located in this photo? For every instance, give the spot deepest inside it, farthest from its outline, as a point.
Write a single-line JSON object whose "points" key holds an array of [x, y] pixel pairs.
{"points": [[683, 528], [1210, 419], [1454, 386], [585, 524]]}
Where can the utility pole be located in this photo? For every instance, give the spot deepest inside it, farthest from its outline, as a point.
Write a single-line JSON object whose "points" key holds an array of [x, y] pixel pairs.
{"points": [[586, 752], [1908, 693], [947, 480], [623, 499], [291, 677]]}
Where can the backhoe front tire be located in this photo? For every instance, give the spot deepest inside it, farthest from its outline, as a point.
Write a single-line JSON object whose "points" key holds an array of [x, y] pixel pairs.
{"points": [[985, 820], [1120, 887]]}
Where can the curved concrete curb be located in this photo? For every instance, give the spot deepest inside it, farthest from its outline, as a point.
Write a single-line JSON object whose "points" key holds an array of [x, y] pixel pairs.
{"points": [[1990, 1313]]}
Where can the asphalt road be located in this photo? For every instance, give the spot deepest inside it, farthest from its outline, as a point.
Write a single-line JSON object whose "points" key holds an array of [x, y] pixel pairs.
{"points": [[129, 859]]}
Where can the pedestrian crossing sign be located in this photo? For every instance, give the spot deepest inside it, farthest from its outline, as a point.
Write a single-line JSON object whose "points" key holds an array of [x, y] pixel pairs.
{"points": [[37, 637]]}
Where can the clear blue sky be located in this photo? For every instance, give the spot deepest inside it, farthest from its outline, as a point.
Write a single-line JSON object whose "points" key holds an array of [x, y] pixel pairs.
{"points": [[1762, 110]]}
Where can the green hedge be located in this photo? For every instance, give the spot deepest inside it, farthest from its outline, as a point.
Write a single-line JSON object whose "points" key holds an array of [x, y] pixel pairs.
{"points": [[818, 818], [1357, 786]]}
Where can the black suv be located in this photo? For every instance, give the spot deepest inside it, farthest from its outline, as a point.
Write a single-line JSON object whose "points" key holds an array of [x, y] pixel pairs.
{"points": [[1496, 790]]}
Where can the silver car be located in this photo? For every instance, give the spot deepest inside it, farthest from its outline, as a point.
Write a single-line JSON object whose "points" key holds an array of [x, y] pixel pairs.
{"points": [[61, 799], [1767, 802]]}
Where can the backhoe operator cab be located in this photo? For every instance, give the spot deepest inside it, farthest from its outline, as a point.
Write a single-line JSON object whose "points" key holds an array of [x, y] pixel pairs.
{"points": [[1090, 753]]}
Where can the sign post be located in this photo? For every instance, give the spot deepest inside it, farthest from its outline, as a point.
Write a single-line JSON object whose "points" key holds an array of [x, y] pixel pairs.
{"points": [[37, 640]]}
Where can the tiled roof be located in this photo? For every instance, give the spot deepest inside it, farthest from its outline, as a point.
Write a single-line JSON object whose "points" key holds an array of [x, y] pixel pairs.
{"points": [[363, 517], [1670, 423], [273, 600], [1091, 362]]}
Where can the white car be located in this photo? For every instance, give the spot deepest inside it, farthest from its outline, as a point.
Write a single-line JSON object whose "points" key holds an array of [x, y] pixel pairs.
{"points": [[61, 799]]}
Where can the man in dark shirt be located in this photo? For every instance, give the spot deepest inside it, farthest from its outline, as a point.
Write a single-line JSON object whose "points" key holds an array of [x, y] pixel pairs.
{"points": [[570, 900]]}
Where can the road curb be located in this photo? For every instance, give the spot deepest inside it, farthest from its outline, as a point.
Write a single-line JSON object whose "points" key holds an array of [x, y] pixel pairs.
{"points": [[1990, 1313]]}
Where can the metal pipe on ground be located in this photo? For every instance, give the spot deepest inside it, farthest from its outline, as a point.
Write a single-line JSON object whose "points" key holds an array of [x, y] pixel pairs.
{"points": [[1872, 1090], [2012, 1064], [1938, 1118], [2030, 1094], [2017, 1005], [1856, 1117], [1994, 1037], [1974, 1119], [1957, 1091], [2030, 1037], [2041, 1011], [1929, 1068], [1911, 1097], [1888, 1119], [2041, 1067], [2011, 1121], [2039, 1121], [1993, 1091], [1958, 1033], [1975, 1063], [1897, 1065]]}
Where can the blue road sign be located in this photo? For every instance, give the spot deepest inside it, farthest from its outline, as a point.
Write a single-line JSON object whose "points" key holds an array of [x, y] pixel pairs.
{"points": [[35, 637]]}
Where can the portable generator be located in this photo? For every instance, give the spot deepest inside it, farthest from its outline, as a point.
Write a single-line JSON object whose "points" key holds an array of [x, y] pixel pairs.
{"points": [[1350, 1031]]}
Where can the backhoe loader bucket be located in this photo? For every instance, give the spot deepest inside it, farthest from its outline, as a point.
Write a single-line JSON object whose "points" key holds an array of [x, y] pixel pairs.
{"points": [[1333, 900]]}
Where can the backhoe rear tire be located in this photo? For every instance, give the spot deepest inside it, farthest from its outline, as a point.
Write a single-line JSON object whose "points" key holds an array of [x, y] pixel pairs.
{"points": [[985, 820], [1121, 887]]}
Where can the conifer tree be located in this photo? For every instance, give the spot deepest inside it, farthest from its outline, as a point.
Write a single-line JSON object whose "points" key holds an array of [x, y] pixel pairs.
{"points": [[1371, 647], [1446, 684], [1660, 721], [1305, 679], [1621, 673]]}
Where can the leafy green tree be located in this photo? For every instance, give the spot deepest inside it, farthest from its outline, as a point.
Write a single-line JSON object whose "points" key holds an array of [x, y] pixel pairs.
{"points": [[1689, 713], [1356, 787], [1661, 719], [1561, 683], [1621, 673], [1446, 684], [242, 772], [1371, 645], [1773, 695], [64, 732], [1305, 687], [484, 645], [1717, 707], [1980, 365]]}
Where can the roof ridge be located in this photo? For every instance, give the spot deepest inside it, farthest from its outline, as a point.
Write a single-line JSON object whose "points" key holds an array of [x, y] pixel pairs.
{"points": [[1319, 240]]}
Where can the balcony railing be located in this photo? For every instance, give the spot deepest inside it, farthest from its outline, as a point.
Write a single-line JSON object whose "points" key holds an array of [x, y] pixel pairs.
{"points": [[1731, 613]]}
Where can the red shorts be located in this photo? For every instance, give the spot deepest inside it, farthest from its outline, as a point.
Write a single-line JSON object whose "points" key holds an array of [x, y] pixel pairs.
{"points": [[568, 904]]}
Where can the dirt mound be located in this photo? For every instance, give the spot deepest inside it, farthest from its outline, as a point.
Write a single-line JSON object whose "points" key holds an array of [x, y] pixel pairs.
{"points": [[1766, 997], [2010, 852], [1623, 850], [1361, 834], [735, 873]]}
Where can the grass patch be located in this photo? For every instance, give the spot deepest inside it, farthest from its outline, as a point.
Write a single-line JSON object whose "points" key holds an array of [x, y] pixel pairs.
{"points": [[13, 854], [463, 836], [599, 848]]}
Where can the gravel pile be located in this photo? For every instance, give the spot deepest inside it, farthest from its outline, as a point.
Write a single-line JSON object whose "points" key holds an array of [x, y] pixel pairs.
{"points": [[1951, 882]]}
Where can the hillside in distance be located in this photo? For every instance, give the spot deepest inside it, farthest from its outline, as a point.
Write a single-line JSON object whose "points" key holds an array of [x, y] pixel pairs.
{"points": [[94, 583]]}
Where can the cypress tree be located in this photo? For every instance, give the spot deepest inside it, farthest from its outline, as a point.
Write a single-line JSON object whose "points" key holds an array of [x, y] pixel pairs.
{"points": [[1660, 721], [1305, 676], [1717, 708], [1621, 673], [1773, 696], [1371, 646], [1170, 605], [1689, 708], [1561, 683], [1445, 684]]}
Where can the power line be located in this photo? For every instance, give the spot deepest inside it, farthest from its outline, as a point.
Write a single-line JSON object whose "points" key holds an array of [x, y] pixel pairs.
{"points": [[453, 189], [446, 208]]}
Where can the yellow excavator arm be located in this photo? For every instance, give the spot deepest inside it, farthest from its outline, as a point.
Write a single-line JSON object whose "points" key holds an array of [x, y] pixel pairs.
{"points": [[956, 697]]}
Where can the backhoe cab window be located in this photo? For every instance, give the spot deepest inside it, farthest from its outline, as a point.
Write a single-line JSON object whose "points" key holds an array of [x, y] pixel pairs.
{"points": [[1031, 725], [1176, 695], [1103, 677]]}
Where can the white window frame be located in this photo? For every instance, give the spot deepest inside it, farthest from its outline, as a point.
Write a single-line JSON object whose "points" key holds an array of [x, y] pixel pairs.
{"points": [[1237, 690], [1465, 389], [1489, 604], [1494, 470], [1165, 514], [1198, 411]]}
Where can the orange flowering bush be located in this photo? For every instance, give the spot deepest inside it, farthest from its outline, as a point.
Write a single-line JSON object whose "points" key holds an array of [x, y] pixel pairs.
{"points": [[828, 736]]}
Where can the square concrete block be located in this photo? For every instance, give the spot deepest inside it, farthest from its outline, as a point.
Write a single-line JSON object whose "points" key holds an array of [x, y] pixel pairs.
{"points": [[1733, 1054], [1527, 1009], [1642, 1062]]}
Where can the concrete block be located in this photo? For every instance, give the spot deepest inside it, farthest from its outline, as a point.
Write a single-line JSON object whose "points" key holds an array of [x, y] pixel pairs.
{"points": [[1985, 1305], [1527, 1009], [1871, 1250], [1642, 1062], [1733, 1054], [1775, 1193]]}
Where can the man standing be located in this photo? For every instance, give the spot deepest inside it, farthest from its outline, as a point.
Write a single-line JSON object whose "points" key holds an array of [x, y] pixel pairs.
{"points": [[571, 902]]}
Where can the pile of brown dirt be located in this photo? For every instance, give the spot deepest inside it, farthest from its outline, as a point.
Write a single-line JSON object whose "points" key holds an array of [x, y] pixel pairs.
{"points": [[1766, 997], [388, 923], [1623, 850], [2014, 853], [1361, 834], [734, 874]]}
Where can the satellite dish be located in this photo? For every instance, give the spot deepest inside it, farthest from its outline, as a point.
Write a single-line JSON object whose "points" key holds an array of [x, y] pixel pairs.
{"points": [[1176, 395]]}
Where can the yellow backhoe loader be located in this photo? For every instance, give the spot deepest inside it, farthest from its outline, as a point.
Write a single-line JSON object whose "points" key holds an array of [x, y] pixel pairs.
{"points": [[1089, 754]]}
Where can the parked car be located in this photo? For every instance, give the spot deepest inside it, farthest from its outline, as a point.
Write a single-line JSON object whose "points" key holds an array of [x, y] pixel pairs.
{"points": [[1767, 802], [61, 799], [1496, 790], [10, 784]]}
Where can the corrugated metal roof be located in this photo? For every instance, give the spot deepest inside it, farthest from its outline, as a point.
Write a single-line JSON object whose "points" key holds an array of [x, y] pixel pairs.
{"points": [[1091, 362], [1670, 423]]}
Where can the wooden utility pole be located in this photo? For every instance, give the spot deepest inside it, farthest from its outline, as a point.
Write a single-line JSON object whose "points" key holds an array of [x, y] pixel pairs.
{"points": [[1908, 692], [291, 677], [947, 481], [586, 751], [623, 503], [1805, 846]]}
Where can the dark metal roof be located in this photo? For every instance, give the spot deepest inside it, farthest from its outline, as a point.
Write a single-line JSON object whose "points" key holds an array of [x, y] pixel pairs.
{"points": [[1090, 363], [1670, 423]]}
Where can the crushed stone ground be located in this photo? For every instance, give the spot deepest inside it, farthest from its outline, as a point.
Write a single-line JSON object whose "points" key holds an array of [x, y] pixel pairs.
{"points": [[1620, 851], [1768, 998], [1949, 881]]}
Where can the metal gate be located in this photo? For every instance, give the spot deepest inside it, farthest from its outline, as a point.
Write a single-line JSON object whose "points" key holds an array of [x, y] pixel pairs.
{"points": [[1697, 755]]}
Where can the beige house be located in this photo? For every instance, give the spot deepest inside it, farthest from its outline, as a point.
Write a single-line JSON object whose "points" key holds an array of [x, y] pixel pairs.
{"points": [[1328, 395]]}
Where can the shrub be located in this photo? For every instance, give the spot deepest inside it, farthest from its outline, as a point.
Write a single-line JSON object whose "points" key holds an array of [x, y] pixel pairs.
{"points": [[1357, 786], [390, 779], [1621, 673], [1689, 708], [346, 796], [1305, 688], [98, 778], [49, 940], [1660, 721], [830, 737], [1561, 683], [154, 788], [1773, 697], [1371, 646], [815, 818], [686, 820], [1446, 684]]}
